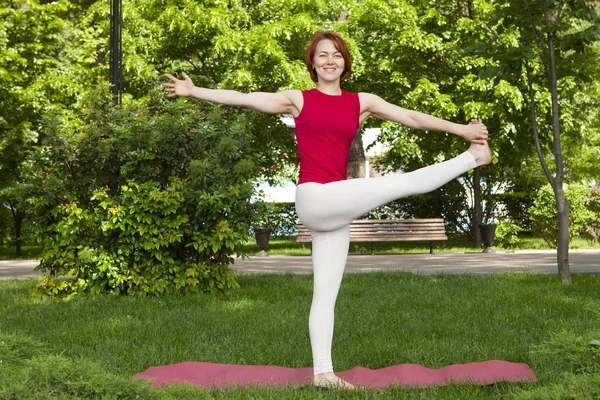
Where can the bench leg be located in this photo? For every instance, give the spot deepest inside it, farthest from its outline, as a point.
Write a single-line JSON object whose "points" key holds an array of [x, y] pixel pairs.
{"points": [[372, 248], [430, 247]]}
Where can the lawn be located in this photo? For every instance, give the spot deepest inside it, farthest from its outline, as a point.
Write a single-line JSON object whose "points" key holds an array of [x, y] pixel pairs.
{"points": [[288, 245], [90, 347], [27, 253]]}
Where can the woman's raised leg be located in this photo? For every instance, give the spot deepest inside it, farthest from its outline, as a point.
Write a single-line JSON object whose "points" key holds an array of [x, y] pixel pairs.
{"points": [[325, 207]]}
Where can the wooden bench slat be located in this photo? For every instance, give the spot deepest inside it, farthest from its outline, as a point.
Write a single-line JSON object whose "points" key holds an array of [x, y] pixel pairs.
{"points": [[393, 221], [436, 229], [389, 230], [397, 239]]}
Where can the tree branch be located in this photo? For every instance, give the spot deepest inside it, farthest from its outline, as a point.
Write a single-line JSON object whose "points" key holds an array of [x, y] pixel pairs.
{"points": [[558, 157], [536, 137], [537, 34], [195, 66], [561, 4]]}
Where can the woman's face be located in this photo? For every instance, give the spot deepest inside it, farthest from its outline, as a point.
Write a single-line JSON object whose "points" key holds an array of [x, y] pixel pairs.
{"points": [[328, 61]]}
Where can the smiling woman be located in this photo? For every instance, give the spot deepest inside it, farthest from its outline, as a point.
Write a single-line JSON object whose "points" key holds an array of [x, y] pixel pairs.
{"points": [[331, 50], [326, 121]]}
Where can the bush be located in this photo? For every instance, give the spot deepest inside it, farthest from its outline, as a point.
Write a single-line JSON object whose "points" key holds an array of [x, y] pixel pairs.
{"points": [[514, 206], [6, 226], [286, 219], [594, 205], [507, 234], [544, 216], [280, 216], [146, 199]]}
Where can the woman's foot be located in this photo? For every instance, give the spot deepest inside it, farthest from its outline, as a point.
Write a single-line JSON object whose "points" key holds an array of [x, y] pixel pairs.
{"points": [[331, 381], [481, 152]]}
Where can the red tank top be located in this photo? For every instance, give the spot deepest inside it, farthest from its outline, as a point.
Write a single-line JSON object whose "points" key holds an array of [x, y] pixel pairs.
{"points": [[324, 132]]}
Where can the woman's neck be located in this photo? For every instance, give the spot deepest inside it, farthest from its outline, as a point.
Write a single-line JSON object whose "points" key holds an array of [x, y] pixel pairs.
{"points": [[331, 88]]}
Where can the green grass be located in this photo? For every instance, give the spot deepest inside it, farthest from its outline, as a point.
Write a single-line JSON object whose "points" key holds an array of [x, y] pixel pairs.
{"points": [[28, 253], [288, 245], [90, 347]]}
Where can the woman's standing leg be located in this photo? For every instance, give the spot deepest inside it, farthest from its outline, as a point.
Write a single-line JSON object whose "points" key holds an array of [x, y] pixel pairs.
{"points": [[330, 250]]}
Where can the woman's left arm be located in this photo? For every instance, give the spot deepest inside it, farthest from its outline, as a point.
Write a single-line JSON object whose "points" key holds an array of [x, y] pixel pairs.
{"points": [[372, 105]]}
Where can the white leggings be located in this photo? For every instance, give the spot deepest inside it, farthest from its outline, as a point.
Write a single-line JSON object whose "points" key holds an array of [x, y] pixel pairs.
{"points": [[328, 209]]}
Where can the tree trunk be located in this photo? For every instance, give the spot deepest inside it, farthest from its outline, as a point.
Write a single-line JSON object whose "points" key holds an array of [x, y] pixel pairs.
{"points": [[562, 205], [18, 218], [562, 255], [477, 210], [356, 159], [468, 10]]}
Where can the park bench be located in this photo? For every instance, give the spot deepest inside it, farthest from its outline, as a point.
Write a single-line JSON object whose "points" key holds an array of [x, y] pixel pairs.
{"points": [[389, 230]]}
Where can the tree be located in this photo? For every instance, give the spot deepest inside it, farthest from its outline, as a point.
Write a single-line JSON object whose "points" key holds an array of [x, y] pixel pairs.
{"points": [[414, 53], [33, 80], [550, 54], [148, 198], [438, 57], [129, 202]]}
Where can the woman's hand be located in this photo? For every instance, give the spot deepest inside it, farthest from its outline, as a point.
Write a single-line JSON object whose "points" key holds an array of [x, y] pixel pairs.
{"points": [[475, 132], [179, 87]]}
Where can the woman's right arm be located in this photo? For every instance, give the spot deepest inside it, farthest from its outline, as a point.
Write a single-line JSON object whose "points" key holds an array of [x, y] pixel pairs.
{"points": [[285, 102]]}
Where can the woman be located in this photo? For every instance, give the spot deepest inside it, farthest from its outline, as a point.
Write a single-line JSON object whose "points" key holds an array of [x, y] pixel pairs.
{"points": [[327, 118]]}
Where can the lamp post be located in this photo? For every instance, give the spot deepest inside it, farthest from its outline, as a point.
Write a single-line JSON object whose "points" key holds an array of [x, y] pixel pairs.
{"points": [[116, 50]]}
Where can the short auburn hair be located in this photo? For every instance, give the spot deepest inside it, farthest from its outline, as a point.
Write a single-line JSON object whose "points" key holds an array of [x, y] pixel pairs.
{"points": [[339, 44]]}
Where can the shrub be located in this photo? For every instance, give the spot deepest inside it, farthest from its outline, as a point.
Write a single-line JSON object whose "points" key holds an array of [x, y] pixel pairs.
{"points": [[286, 219], [6, 226], [594, 205], [279, 216], [507, 234], [515, 207], [145, 199], [544, 216]]}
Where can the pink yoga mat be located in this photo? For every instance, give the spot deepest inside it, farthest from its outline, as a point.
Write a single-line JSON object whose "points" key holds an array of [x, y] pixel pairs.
{"points": [[209, 375]]}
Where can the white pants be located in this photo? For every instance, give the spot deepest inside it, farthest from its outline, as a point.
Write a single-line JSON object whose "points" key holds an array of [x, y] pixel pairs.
{"points": [[328, 209]]}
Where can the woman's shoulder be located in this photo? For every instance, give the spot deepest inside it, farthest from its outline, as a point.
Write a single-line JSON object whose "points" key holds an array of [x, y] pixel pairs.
{"points": [[367, 96], [367, 99], [291, 92]]}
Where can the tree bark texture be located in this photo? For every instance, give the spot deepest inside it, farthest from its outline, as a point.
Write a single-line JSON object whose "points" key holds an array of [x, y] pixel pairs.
{"points": [[18, 217], [356, 159], [562, 255], [477, 209]]}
